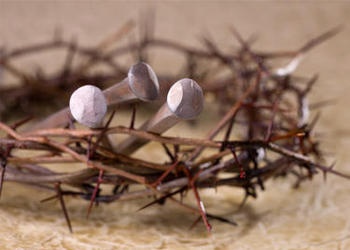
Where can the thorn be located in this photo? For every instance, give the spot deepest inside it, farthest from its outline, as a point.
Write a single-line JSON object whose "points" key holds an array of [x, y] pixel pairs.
{"points": [[242, 173], [195, 222], [329, 169], [63, 206], [164, 197], [200, 205], [165, 174], [2, 176], [319, 39], [133, 117], [49, 198], [95, 192], [233, 223], [3, 164], [169, 154], [21, 122], [102, 136], [244, 201]]}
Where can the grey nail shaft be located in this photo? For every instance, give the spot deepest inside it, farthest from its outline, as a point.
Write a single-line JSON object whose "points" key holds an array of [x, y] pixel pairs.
{"points": [[58, 119], [184, 102], [141, 84], [119, 94], [116, 95], [163, 120]]}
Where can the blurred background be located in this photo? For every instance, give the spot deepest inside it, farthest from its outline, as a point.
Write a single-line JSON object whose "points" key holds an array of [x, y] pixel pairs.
{"points": [[315, 216]]}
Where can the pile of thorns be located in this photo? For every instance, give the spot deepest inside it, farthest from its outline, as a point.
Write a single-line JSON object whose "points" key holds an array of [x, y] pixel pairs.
{"points": [[266, 104]]}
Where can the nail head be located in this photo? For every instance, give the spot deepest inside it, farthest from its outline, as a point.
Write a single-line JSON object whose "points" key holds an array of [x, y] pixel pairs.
{"points": [[185, 99], [88, 106], [143, 82]]}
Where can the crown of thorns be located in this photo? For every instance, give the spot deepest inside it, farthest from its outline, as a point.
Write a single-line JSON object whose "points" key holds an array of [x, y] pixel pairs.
{"points": [[267, 105]]}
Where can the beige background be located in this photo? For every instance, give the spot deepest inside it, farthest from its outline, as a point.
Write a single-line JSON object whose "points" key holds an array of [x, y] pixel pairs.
{"points": [[316, 216]]}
